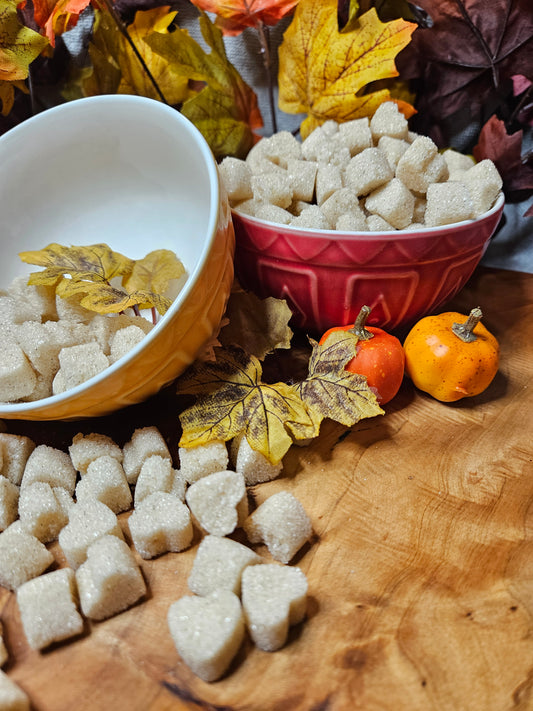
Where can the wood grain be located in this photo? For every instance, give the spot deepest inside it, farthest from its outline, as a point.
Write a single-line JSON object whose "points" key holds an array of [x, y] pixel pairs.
{"points": [[420, 572]]}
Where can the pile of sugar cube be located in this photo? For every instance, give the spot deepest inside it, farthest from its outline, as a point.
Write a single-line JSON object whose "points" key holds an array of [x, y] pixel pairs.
{"points": [[47, 494], [361, 175], [51, 344]]}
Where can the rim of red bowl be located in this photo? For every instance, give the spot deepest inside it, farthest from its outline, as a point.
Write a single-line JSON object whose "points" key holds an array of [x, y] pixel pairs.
{"points": [[383, 234]]}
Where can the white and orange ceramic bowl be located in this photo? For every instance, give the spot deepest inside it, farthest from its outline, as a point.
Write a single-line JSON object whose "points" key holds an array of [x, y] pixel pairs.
{"points": [[134, 174]]}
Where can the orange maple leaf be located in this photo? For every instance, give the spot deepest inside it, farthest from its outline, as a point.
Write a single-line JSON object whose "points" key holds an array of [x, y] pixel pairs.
{"points": [[233, 16], [57, 16]]}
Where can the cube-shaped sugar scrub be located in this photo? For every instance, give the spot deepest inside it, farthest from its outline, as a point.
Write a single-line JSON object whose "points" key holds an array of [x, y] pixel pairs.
{"points": [[22, 557], [421, 165], [17, 378], [274, 597], [484, 184], [393, 202], [218, 565], [274, 188], [51, 465], [207, 631], [281, 523], [356, 135], [367, 171], [253, 465], [388, 121], [447, 203], [160, 523], [88, 521], [44, 510], [123, 341], [105, 481], [86, 448], [77, 364], [49, 608], [144, 443], [197, 462], [15, 451], [157, 474], [236, 176], [110, 580], [9, 497], [218, 502], [12, 697]]}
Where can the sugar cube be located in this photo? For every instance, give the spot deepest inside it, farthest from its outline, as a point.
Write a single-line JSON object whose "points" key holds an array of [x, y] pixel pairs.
{"points": [[456, 161], [38, 302], [339, 203], [197, 462], [393, 202], [484, 184], [22, 557], [105, 481], [375, 223], [447, 203], [49, 608], [123, 341], [218, 502], [273, 213], [207, 631], [356, 135], [88, 521], [367, 170], [354, 221], [253, 465], [44, 510], [144, 443], [85, 448], [236, 177], [109, 581], [157, 474], [272, 188], [421, 165], [281, 523], [274, 597], [17, 379], [51, 465], [103, 327], [388, 121], [218, 565], [328, 180], [12, 697], [160, 523], [311, 217], [302, 174], [15, 452], [393, 148], [9, 496], [79, 363], [281, 147]]}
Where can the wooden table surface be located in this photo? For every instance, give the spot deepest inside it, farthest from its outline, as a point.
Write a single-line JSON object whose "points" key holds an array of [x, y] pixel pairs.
{"points": [[420, 572]]}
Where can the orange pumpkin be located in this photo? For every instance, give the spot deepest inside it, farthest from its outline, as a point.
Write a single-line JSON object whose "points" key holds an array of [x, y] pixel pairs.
{"points": [[451, 358]]}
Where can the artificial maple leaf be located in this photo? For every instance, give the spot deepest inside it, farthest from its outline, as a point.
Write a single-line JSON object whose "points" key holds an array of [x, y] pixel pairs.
{"points": [[117, 69], [257, 325], [225, 110], [104, 298], [323, 72], [232, 399], [7, 94], [505, 150], [57, 16], [233, 16], [19, 46], [463, 58], [96, 263], [153, 273], [330, 390]]}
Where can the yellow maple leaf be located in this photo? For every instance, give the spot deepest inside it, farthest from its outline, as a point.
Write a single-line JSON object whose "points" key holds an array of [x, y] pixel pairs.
{"points": [[19, 46], [324, 72], [153, 274], [105, 298], [7, 94]]}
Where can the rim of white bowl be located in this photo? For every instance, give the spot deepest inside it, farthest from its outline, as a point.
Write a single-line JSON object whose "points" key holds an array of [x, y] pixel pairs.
{"points": [[383, 234], [60, 398]]}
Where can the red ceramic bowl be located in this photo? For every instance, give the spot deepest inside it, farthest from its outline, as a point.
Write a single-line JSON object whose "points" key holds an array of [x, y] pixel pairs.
{"points": [[326, 275]]}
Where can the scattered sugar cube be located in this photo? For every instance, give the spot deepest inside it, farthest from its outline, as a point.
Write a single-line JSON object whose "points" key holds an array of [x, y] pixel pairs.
{"points": [[9, 496], [393, 202], [218, 565], [218, 502], [12, 697], [274, 598], [105, 481], [484, 184], [77, 364], [22, 557], [86, 448], [367, 171], [123, 341], [110, 580], [197, 462], [421, 165], [44, 510], [236, 177], [311, 217], [328, 180], [50, 465], [15, 452], [160, 523], [281, 523], [375, 223], [356, 135], [393, 148], [49, 608], [352, 222], [302, 174], [157, 474], [447, 203], [17, 379], [253, 465], [339, 203], [89, 520], [207, 631], [144, 443], [273, 213], [388, 121], [272, 188]]}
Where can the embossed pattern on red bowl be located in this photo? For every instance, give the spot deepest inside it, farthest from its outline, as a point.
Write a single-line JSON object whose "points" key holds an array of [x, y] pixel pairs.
{"points": [[326, 275]]}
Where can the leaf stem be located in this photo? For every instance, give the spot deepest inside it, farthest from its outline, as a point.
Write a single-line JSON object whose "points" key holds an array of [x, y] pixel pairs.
{"points": [[124, 31], [264, 41]]}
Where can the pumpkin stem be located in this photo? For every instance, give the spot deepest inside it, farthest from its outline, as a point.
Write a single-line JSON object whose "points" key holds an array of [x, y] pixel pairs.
{"points": [[465, 331], [358, 328]]}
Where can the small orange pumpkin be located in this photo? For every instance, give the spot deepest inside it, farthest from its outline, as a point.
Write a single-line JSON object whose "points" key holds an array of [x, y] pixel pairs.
{"points": [[450, 359]]}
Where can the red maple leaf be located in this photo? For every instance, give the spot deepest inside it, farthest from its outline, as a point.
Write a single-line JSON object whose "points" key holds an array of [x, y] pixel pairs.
{"points": [[233, 16]]}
